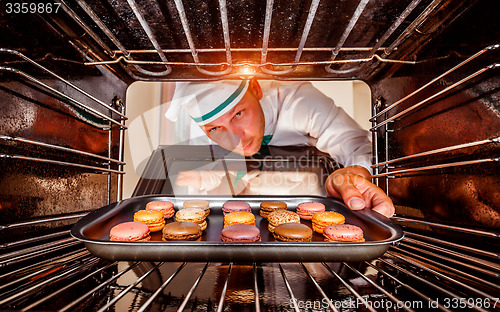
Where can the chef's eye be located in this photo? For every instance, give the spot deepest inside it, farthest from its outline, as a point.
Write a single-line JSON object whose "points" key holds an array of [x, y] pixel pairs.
{"points": [[213, 129], [238, 114]]}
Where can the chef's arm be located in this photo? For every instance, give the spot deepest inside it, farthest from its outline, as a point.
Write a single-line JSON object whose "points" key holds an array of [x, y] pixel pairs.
{"points": [[353, 185]]}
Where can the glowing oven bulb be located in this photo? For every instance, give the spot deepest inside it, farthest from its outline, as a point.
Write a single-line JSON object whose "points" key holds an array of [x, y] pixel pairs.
{"points": [[247, 71]]}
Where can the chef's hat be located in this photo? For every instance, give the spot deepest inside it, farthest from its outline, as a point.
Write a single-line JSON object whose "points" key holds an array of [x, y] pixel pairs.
{"points": [[206, 101]]}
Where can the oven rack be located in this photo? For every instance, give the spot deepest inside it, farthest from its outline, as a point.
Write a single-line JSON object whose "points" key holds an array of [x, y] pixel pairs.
{"points": [[383, 122], [38, 272], [116, 118], [264, 68]]}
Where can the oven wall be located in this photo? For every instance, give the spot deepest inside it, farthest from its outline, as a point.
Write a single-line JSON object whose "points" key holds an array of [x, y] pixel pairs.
{"points": [[469, 112], [39, 112]]}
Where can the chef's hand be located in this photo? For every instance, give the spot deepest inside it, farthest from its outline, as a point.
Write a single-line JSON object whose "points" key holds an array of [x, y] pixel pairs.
{"points": [[189, 178], [352, 184]]}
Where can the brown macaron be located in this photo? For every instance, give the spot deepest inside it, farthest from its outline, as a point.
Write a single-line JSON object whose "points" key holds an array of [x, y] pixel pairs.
{"points": [[181, 231], [269, 206], [293, 232], [278, 217]]}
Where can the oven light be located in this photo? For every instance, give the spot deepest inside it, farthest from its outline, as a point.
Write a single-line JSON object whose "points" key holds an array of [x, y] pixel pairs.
{"points": [[246, 72]]}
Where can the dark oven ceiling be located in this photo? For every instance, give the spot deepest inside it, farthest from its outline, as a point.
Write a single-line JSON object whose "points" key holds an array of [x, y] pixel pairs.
{"points": [[175, 39]]}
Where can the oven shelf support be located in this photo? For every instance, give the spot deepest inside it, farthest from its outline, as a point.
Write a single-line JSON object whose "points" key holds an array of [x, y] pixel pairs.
{"points": [[440, 150], [412, 108], [481, 52], [59, 94], [133, 5], [303, 39], [22, 56], [350, 26]]}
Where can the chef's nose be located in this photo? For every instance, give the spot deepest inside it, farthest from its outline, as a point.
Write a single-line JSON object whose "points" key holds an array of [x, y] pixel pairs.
{"points": [[226, 139], [237, 130]]}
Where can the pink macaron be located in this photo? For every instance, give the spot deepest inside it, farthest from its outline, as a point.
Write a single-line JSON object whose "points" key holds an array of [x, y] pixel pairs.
{"points": [[235, 205], [343, 233], [165, 207], [130, 231], [306, 210]]}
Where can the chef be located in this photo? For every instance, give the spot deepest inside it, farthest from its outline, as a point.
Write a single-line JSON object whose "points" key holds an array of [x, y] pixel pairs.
{"points": [[243, 115]]}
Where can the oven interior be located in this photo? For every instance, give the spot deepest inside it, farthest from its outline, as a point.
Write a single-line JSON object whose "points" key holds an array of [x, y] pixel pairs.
{"points": [[432, 66]]}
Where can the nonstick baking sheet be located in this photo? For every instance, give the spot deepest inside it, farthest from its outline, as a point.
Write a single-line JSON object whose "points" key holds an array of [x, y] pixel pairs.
{"points": [[93, 229]]}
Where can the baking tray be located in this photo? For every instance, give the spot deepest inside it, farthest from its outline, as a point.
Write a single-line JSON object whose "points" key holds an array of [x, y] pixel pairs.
{"points": [[93, 230]]}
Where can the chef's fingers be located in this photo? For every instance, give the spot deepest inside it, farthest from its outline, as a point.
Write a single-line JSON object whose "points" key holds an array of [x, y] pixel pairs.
{"points": [[345, 185], [386, 209], [378, 200]]}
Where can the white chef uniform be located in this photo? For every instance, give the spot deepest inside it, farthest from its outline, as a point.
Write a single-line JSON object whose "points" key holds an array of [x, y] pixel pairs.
{"points": [[296, 113]]}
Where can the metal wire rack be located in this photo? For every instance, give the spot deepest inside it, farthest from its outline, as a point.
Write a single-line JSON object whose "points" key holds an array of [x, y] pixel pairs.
{"points": [[113, 118], [125, 56], [421, 272]]}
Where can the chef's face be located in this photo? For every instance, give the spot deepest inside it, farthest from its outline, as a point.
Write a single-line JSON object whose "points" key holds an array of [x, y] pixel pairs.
{"points": [[242, 128]]}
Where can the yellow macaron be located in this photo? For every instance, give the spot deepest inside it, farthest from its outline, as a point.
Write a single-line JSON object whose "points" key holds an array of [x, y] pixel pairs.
{"points": [[239, 217], [153, 219]]}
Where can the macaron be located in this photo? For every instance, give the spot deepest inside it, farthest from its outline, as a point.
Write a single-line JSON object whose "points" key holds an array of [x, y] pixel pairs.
{"points": [[240, 233], [235, 205], [269, 206], [293, 232], [306, 210], [181, 231], [323, 219], [195, 215], [130, 231], [280, 216], [343, 233], [198, 203], [153, 219], [165, 207], [239, 217]]}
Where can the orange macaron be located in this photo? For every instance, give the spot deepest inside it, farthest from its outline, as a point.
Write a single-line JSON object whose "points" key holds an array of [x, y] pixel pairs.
{"points": [[323, 219], [153, 219], [166, 207], [239, 217]]}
